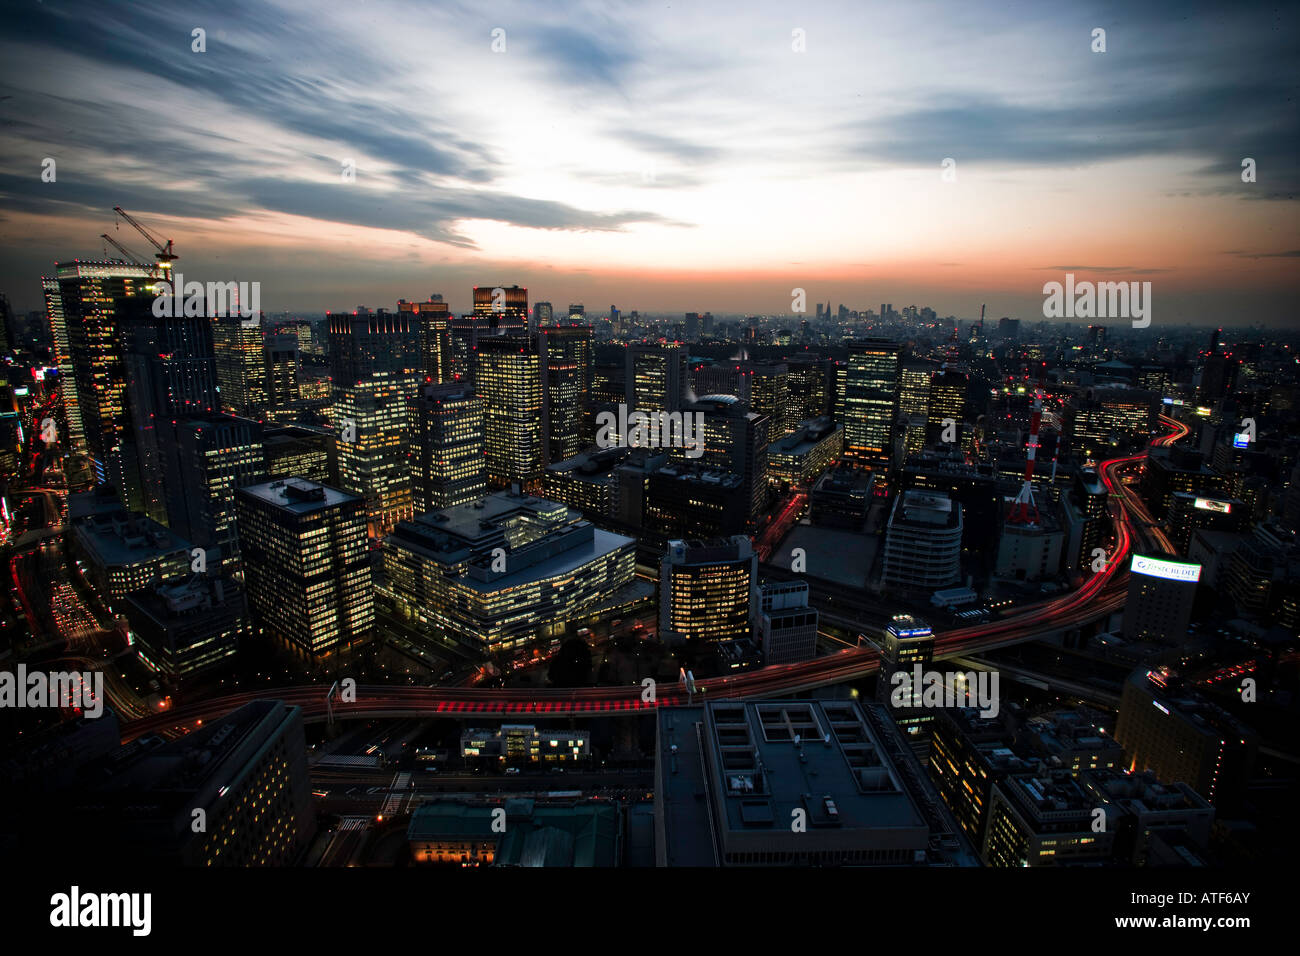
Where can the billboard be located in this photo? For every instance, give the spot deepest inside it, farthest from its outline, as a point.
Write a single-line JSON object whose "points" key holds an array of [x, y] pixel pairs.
{"points": [[1168, 570], [1210, 504]]}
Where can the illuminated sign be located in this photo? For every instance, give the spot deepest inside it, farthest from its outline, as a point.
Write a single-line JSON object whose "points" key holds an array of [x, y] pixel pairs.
{"points": [[1203, 411], [1169, 570], [1241, 441], [914, 632], [1209, 504], [20, 391], [1160, 707]]}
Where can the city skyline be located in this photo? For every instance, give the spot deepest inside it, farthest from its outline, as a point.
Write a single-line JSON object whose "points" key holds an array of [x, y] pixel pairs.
{"points": [[665, 161]]}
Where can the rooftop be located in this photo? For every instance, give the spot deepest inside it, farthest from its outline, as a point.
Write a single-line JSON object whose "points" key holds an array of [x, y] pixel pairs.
{"points": [[298, 495]]}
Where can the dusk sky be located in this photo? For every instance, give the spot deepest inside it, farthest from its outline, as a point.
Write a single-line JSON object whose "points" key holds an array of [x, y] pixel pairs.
{"points": [[664, 157]]}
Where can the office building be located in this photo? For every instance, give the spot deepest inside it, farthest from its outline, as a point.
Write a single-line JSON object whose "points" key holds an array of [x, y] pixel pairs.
{"points": [[1160, 597], [657, 378], [375, 418], [969, 754], [246, 772], [1073, 739], [170, 375], [1044, 818], [687, 500], [708, 590], [506, 570], [1166, 726], [801, 456], [735, 440], [505, 306], [433, 330], [306, 564], [281, 370], [240, 358], [508, 380], [769, 395], [72, 432], [923, 542], [794, 783], [368, 342], [914, 387], [187, 629], [1189, 513], [449, 463], [1155, 823], [908, 642], [973, 485], [96, 299], [787, 625], [289, 452], [525, 745], [871, 402], [1172, 469], [215, 454], [1030, 551], [1262, 575], [123, 552], [1087, 520], [564, 359], [842, 497], [808, 386], [588, 482], [947, 400]]}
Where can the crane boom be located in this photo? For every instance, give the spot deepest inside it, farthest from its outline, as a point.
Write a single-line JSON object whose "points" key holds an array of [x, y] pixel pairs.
{"points": [[130, 256], [165, 254]]}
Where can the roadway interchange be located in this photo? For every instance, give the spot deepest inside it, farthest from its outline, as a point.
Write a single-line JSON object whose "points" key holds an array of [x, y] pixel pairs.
{"points": [[1101, 594]]}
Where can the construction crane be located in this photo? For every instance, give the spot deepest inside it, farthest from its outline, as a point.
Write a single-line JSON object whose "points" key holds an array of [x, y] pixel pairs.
{"points": [[130, 256], [164, 255]]}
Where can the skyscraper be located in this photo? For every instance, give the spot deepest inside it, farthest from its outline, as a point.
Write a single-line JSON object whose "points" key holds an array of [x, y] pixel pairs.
{"points": [[508, 379], [914, 388], [170, 375], [72, 435], [708, 591], [657, 378], [306, 564], [281, 371], [215, 454], [948, 397], [375, 421], [95, 298], [368, 341], [871, 402], [692, 326], [808, 391], [564, 353], [735, 440], [543, 314], [506, 306], [433, 323], [449, 463], [241, 368], [769, 395]]}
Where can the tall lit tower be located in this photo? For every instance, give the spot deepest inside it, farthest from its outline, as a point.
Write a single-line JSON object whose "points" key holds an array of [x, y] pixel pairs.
{"points": [[1023, 510], [508, 379]]}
